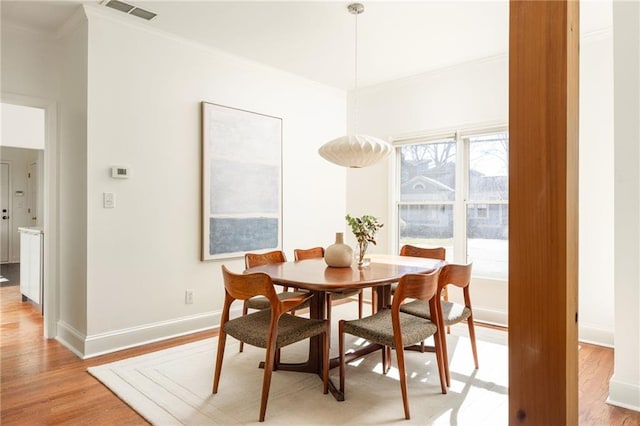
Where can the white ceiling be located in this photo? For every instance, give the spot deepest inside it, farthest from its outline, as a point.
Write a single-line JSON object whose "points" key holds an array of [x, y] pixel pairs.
{"points": [[316, 39]]}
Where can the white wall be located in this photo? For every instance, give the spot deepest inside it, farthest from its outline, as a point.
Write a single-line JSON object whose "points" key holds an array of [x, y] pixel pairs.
{"points": [[477, 93], [144, 94], [22, 127], [72, 324], [595, 274], [624, 386], [19, 159], [29, 63]]}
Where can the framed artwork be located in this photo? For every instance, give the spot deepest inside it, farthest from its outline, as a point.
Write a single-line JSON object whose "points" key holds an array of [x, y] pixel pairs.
{"points": [[241, 182]]}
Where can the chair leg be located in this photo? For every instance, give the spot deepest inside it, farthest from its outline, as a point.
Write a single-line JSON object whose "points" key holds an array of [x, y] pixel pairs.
{"points": [[245, 310], [341, 350], [266, 381], [360, 300], [445, 352], [472, 337], [374, 300], [445, 294], [276, 360], [443, 363], [329, 303], [386, 359], [325, 358], [222, 339], [403, 377]]}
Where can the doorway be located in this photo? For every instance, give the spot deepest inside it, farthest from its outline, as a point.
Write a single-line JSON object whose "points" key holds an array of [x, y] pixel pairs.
{"points": [[29, 135]]}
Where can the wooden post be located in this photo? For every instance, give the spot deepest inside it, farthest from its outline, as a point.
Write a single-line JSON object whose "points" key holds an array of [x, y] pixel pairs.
{"points": [[543, 212]]}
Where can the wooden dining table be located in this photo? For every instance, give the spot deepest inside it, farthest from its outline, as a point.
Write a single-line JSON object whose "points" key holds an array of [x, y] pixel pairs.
{"points": [[316, 277]]}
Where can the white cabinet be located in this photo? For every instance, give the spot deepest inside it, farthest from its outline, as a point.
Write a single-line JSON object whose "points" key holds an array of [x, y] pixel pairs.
{"points": [[31, 258]]}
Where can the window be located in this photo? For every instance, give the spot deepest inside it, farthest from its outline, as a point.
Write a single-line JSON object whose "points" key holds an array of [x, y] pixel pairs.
{"points": [[453, 192], [427, 193]]}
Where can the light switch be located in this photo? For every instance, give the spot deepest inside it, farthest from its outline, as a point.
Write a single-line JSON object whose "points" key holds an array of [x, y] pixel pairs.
{"points": [[108, 200]]}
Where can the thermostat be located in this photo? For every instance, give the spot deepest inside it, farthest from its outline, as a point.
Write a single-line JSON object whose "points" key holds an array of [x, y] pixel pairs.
{"points": [[120, 172]]}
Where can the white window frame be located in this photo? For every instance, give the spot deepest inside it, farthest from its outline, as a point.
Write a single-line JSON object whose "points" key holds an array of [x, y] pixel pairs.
{"points": [[460, 205]]}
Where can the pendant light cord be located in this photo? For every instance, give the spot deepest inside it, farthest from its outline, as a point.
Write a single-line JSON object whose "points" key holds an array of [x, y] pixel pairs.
{"points": [[355, 79]]}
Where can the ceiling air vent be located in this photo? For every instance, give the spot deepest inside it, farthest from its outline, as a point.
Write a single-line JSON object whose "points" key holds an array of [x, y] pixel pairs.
{"points": [[129, 9]]}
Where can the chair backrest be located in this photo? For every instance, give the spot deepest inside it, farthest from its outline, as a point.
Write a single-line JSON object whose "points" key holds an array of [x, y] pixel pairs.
{"points": [[259, 259], [416, 286], [312, 253], [431, 253], [246, 286], [457, 275]]}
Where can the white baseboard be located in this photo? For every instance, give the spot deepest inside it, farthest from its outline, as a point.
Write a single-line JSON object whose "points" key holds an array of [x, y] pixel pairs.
{"points": [[588, 333], [490, 316], [625, 395], [104, 343], [71, 338]]}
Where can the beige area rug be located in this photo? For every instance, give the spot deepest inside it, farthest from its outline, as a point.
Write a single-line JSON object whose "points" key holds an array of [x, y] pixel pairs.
{"points": [[173, 386]]}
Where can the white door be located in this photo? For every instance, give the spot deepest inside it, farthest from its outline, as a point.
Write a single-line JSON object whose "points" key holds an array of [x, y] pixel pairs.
{"points": [[32, 193], [4, 206]]}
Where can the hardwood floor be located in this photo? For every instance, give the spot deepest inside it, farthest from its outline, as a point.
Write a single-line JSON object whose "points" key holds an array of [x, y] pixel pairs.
{"points": [[42, 382]]}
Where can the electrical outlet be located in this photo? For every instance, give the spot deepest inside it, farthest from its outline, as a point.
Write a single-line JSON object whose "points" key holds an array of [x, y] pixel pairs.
{"points": [[188, 297]]}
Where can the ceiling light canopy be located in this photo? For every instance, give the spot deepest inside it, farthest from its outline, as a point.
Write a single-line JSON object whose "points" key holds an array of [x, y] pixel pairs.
{"points": [[355, 150]]}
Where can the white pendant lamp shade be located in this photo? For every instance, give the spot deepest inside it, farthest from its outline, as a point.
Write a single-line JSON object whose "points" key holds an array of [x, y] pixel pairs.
{"points": [[355, 150]]}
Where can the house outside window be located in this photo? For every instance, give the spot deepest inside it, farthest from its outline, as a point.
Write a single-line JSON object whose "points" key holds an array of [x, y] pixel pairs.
{"points": [[452, 192]]}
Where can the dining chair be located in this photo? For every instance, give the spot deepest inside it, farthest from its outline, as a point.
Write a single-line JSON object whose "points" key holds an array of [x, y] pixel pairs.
{"points": [[259, 302], [449, 313], [318, 252], [270, 329], [439, 253], [392, 328]]}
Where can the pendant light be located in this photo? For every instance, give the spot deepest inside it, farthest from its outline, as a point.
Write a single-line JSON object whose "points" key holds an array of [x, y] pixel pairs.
{"points": [[355, 150]]}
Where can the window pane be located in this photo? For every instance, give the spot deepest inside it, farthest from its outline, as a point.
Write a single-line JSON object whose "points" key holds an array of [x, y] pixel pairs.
{"points": [[487, 239], [428, 172], [488, 166], [427, 226]]}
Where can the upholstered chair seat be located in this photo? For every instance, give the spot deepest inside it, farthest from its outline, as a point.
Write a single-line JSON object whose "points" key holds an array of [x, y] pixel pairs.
{"points": [[377, 328], [452, 313], [253, 328]]}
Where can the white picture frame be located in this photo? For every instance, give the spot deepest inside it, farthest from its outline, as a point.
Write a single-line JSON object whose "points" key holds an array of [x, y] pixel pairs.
{"points": [[241, 182]]}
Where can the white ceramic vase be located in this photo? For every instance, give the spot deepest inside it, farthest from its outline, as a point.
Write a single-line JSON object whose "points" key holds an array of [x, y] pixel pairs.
{"points": [[339, 254]]}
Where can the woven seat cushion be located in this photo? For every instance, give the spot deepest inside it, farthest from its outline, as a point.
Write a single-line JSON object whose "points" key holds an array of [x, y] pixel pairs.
{"points": [[344, 295], [452, 312], [254, 328], [261, 303], [377, 328]]}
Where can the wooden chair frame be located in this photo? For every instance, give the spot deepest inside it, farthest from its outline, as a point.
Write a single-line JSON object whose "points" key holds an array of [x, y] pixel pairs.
{"points": [[243, 287], [459, 276], [415, 286]]}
